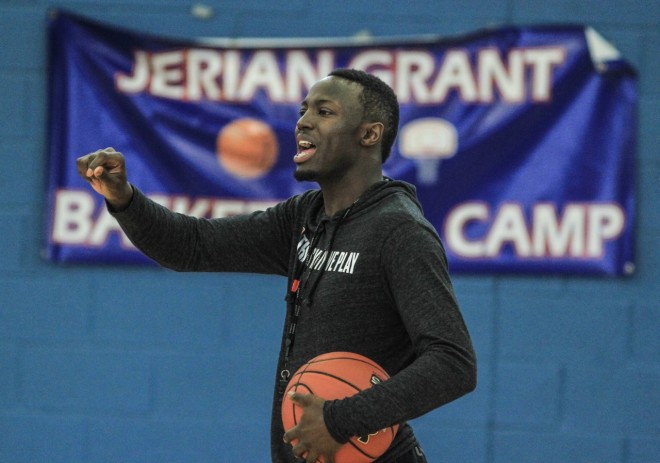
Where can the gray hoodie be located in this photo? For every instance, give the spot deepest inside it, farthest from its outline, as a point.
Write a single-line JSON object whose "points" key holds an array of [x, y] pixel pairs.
{"points": [[373, 280]]}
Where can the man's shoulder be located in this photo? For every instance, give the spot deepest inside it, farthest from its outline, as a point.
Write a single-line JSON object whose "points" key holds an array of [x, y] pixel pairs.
{"points": [[300, 205], [304, 199], [400, 206]]}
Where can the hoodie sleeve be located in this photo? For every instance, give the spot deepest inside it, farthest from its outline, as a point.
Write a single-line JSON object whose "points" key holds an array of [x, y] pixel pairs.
{"points": [[444, 368], [444, 364], [256, 243]]}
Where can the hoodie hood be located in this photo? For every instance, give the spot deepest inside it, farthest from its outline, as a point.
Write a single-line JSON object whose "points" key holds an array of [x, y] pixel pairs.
{"points": [[382, 190], [371, 197]]}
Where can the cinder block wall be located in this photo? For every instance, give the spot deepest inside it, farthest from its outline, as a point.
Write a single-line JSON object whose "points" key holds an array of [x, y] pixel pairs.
{"points": [[119, 364]]}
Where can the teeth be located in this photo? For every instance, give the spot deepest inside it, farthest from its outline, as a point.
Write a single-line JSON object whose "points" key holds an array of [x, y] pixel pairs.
{"points": [[305, 144]]}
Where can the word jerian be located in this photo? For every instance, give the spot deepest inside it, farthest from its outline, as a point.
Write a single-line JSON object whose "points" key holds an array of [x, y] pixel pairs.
{"points": [[193, 74]]}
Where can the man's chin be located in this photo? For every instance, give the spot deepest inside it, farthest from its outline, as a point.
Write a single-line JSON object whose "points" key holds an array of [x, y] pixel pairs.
{"points": [[304, 175]]}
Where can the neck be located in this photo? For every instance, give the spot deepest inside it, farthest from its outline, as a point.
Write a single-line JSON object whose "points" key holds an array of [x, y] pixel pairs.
{"points": [[341, 195]]}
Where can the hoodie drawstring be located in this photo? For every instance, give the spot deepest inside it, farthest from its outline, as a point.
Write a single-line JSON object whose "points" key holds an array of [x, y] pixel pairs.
{"points": [[299, 285]]}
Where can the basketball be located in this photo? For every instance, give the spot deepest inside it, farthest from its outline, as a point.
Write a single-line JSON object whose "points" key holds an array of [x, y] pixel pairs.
{"points": [[337, 375]]}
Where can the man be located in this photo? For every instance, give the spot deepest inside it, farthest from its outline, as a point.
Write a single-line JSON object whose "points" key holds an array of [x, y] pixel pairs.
{"points": [[366, 272]]}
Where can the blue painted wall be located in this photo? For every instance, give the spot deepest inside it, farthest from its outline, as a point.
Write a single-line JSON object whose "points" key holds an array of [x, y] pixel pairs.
{"points": [[118, 364]]}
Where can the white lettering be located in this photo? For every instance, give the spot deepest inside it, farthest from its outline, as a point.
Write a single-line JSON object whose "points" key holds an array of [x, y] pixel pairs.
{"points": [[556, 238], [456, 225], [203, 70], [262, 72], [199, 208], [79, 220], [508, 227], [72, 220], [167, 76], [229, 207], [301, 73], [340, 261], [414, 69], [472, 230], [605, 222], [350, 262], [140, 79], [231, 74], [376, 62], [104, 225], [494, 74], [331, 260], [319, 257], [455, 73], [416, 75], [542, 62]]}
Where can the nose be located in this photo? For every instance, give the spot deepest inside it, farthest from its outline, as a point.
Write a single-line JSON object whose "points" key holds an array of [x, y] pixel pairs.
{"points": [[303, 122]]}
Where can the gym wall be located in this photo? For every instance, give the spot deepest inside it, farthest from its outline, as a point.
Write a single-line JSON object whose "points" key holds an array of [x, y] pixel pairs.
{"points": [[123, 364]]}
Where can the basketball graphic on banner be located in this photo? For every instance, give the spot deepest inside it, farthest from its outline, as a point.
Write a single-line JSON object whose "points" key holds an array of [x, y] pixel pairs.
{"points": [[247, 148]]}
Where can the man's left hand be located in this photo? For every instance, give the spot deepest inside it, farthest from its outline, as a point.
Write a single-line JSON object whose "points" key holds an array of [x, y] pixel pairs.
{"points": [[310, 437]]}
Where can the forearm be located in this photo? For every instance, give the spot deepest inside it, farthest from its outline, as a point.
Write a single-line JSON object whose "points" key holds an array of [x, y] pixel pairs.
{"points": [[157, 232], [441, 375]]}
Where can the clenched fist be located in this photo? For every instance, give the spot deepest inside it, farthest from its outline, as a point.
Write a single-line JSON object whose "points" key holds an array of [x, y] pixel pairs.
{"points": [[105, 170]]}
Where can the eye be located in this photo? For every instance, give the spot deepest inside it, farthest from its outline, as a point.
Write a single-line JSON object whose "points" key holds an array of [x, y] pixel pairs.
{"points": [[325, 112], [301, 111]]}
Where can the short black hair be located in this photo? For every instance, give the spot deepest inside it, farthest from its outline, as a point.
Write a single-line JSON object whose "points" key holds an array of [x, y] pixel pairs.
{"points": [[379, 103]]}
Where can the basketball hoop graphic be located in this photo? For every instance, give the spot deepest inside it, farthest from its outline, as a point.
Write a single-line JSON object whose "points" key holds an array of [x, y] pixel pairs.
{"points": [[427, 142]]}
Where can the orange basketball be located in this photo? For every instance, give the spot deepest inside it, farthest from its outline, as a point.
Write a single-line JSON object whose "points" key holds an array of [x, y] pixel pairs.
{"points": [[337, 375]]}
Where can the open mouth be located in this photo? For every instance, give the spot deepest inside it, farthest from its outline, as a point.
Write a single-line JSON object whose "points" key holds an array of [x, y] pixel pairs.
{"points": [[306, 150]]}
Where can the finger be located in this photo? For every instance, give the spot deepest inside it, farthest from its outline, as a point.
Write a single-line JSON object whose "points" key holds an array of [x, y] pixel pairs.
{"points": [[301, 399], [103, 157], [86, 164], [299, 450], [291, 436], [96, 159], [82, 164], [106, 151], [310, 457], [107, 164]]}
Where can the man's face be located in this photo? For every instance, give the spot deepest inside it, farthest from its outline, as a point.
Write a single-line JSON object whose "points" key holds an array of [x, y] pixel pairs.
{"points": [[328, 132]]}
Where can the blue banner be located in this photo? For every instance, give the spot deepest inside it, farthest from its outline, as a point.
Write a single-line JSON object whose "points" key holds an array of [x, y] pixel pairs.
{"points": [[521, 140]]}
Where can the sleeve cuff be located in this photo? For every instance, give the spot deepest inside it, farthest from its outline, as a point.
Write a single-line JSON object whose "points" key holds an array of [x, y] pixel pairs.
{"points": [[114, 210], [329, 408]]}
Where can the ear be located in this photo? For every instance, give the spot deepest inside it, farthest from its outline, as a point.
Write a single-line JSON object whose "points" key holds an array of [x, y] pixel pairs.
{"points": [[372, 133]]}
